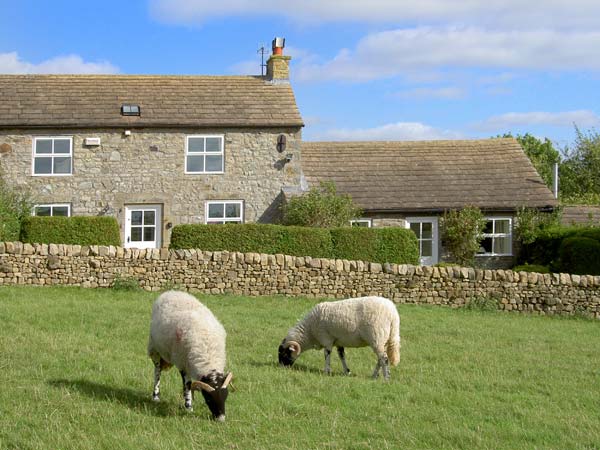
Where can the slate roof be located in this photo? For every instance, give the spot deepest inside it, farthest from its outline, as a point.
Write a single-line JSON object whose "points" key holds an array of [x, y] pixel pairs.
{"points": [[428, 176], [181, 101], [581, 215]]}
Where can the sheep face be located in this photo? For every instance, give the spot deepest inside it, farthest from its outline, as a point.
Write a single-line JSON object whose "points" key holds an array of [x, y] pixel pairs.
{"points": [[215, 392], [288, 352]]}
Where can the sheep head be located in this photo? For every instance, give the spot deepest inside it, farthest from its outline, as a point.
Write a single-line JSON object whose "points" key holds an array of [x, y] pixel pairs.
{"points": [[215, 392], [288, 352]]}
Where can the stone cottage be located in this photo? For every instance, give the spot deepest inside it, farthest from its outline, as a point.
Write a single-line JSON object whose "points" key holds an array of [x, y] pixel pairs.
{"points": [[157, 151], [153, 151]]}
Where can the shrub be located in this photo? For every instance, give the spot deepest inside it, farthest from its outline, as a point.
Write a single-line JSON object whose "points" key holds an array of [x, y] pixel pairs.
{"points": [[396, 245], [580, 255], [121, 283], [81, 230], [482, 303], [531, 223], [461, 233], [259, 238], [14, 206], [320, 207]]}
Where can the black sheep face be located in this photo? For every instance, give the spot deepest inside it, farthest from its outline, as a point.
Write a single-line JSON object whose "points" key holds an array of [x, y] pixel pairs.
{"points": [[287, 354], [215, 398]]}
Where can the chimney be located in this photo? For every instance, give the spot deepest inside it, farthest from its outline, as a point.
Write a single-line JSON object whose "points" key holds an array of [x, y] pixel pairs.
{"points": [[278, 65]]}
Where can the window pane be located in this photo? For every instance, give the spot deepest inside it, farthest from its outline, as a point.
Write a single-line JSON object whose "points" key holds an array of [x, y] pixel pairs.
{"points": [[489, 227], [136, 234], [148, 234], [216, 210], [501, 245], [149, 217], [62, 146], [232, 210], [136, 217], [426, 248], [42, 165], [195, 164], [62, 164], [503, 226], [214, 163], [426, 230], [195, 144], [60, 211], [486, 245], [360, 223], [43, 146], [42, 211], [213, 144], [416, 227]]}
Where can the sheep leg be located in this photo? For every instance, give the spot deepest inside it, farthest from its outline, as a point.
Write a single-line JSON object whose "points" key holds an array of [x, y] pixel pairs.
{"points": [[187, 391], [156, 390], [327, 360], [342, 356], [382, 362]]}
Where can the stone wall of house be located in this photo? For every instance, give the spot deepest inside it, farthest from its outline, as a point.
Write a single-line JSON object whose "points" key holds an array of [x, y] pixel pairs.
{"points": [[259, 274], [148, 167]]}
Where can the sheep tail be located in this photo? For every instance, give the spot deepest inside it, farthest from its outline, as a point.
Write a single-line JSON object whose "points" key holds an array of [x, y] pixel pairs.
{"points": [[393, 344]]}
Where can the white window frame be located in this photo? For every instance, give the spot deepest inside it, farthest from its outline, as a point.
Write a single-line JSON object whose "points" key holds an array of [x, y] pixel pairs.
{"points": [[51, 206], [494, 235], [433, 220], [369, 222], [209, 220], [205, 153], [51, 155]]}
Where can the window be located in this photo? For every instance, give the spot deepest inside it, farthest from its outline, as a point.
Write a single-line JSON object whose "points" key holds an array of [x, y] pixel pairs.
{"points": [[204, 154], [130, 110], [225, 212], [361, 223], [497, 237], [52, 156], [55, 209]]}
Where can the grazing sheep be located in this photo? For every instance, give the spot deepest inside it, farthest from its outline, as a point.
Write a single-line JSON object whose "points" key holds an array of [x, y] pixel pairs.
{"points": [[354, 322], [186, 334]]}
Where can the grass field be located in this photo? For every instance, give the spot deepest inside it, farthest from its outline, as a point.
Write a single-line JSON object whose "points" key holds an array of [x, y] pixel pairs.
{"points": [[75, 375]]}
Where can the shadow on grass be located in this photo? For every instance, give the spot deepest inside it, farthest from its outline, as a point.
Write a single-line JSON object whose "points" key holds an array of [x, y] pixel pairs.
{"points": [[297, 367], [128, 397]]}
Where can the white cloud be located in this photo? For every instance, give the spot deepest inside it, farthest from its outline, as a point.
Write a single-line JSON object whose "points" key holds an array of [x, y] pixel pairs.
{"points": [[448, 93], [400, 131], [391, 53], [584, 118], [10, 63], [506, 13]]}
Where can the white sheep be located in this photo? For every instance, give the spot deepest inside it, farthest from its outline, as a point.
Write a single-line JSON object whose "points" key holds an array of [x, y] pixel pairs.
{"points": [[186, 334], [354, 322]]}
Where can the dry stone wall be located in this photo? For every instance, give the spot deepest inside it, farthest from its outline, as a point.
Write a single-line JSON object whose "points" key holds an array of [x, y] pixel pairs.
{"points": [[259, 274]]}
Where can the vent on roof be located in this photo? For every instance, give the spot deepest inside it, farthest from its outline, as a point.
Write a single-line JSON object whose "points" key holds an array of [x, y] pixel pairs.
{"points": [[130, 110]]}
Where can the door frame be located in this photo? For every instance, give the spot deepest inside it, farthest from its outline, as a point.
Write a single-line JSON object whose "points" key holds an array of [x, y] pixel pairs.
{"points": [[158, 208], [434, 258]]}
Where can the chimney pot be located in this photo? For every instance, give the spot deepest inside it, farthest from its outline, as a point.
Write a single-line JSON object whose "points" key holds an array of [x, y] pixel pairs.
{"points": [[278, 45]]}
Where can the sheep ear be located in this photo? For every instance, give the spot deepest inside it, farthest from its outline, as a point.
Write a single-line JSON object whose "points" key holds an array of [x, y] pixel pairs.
{"points": [[202, 386], [227, 380]]}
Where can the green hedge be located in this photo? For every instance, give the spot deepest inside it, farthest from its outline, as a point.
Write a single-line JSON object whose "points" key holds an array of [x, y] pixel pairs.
{"points": [[272, 239], [396, 245], [549, 249], [9, 226], [81, 230]]}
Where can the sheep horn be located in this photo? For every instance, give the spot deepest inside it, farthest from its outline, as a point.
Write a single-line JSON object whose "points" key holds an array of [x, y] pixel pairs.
{"points": [[201, 385], [227, 380], [296, 348]]}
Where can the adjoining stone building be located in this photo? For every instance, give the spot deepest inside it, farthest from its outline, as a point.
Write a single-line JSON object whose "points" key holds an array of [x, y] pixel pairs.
{"points": [[153, 151]]}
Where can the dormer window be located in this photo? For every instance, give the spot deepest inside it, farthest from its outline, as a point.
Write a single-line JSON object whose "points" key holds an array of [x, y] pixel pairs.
{"points": [[130, 110]]}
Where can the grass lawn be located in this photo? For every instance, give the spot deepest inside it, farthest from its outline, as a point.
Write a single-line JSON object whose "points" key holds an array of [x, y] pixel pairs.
{"points": [[75, 375]]}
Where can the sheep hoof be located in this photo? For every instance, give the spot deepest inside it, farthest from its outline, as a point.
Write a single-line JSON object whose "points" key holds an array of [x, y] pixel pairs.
{"points": [[155, 398]]}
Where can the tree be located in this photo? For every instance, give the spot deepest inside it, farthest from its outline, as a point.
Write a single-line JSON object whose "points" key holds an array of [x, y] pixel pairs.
{"points": [[322, 206], [462, 233], [580, 169], [542, 155], [14, 206]]}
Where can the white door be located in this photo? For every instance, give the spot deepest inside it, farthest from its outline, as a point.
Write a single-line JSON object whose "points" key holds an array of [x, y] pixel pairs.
{"points": [[426, 229], [143, 226]]}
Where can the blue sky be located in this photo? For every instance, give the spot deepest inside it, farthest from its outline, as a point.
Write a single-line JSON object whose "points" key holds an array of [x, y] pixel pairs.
{"points": [[361, 70]]}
